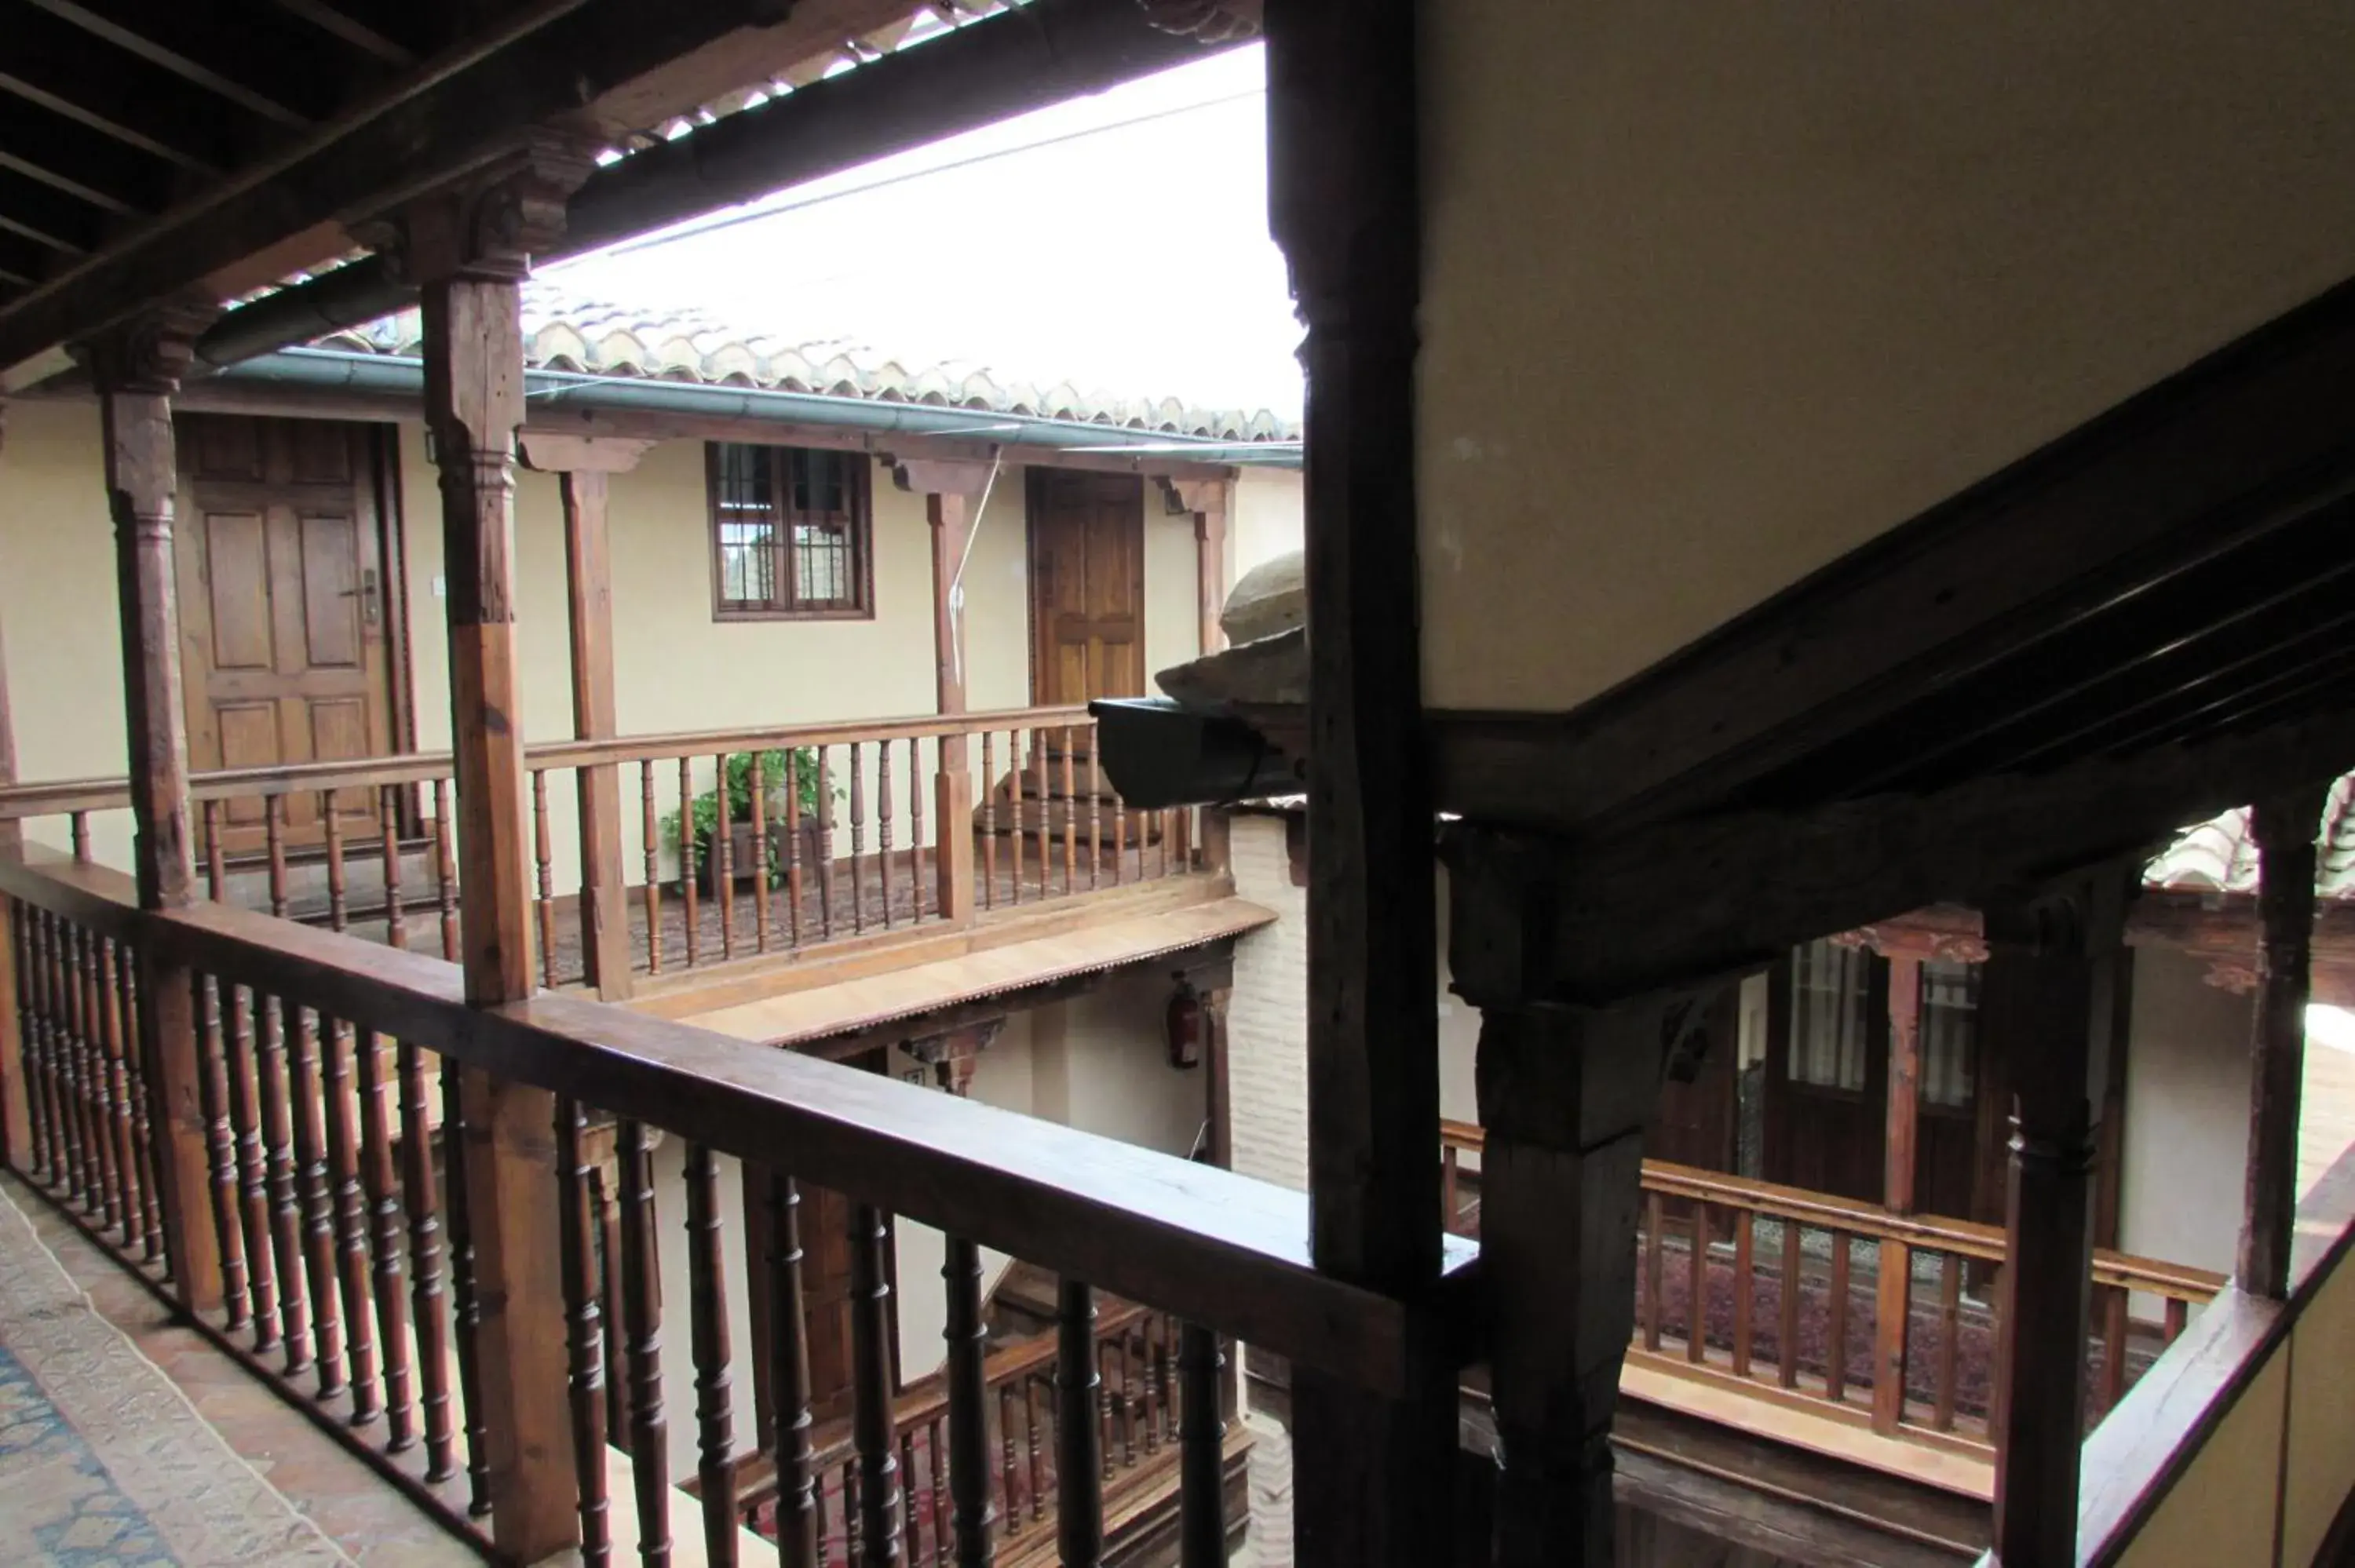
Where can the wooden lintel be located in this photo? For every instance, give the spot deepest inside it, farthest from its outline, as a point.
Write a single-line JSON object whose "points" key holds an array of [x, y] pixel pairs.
{"points": [[1667, 904]]}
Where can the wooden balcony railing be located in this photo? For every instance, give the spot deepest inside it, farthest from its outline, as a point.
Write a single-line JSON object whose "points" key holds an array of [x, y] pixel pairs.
{"points": [[412, 1301], [855, 818], [1878, 1319]]}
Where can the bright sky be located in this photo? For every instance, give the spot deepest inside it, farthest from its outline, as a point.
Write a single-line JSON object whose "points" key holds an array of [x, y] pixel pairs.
{"points": [[1116, 242]]}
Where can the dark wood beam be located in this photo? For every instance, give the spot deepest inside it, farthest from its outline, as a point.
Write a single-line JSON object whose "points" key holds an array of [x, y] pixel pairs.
{"points": [[136, 103], [2163, 488], [41, 212], [1343, 200], [351, 30], [2284, 825], [42, 144], [141, 41], [451, 113], [1666, 903]]}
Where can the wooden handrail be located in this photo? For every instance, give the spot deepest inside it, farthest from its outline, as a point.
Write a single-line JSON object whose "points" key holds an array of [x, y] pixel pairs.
{"points": [[1215, 1248], [57, 797], [1937, 1232]]}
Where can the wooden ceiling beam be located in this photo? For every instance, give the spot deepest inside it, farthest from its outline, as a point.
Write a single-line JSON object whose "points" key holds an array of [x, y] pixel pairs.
{"points": [[1677, 902], [42, 144], [452, 114], [341, 24], [161, 21], [70, 73]]}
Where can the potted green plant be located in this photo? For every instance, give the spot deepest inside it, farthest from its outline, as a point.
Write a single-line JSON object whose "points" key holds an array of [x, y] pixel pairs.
{"points": [[780, 770]]}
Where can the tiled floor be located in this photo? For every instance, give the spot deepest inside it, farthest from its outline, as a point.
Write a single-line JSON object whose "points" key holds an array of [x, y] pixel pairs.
{"points": [[375, 1524]]}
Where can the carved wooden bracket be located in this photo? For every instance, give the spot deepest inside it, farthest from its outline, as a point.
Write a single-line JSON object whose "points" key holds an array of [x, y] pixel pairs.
{"points": [[1944, 932], [490, 222], [150, 353], [953, 1055], [1211, 21]]}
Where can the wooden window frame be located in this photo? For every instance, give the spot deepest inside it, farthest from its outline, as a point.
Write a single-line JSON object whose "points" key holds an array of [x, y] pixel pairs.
{"points": [[859, 477]]}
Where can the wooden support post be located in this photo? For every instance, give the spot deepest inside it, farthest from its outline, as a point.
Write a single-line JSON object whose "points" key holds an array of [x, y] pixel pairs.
{"points": [[953, 494], [2058, 945], [468, 248], [2285, 826], [1893, 1307], [1210, 501], [1564, 1094], [583, 464], [137, 368], [1370, 1484]]}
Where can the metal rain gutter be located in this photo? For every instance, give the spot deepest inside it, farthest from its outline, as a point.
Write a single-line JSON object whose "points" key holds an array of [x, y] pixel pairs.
{"points": [[347, 370]]}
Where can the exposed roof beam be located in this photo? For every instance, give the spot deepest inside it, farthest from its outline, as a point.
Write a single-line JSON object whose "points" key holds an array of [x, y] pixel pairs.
{"points": [[1661, 905], [178, 63], [1043, 53], [72, 73], [45, 215], [44, 146], [463, 107], [350, 29]]}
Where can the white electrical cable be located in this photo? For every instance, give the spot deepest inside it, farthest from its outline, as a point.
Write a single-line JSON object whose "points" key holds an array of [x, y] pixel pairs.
{"points": [[956, 580]]}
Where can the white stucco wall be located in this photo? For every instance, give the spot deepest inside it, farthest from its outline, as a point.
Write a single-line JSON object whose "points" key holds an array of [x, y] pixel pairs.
{"points": [[2187, 1115]]}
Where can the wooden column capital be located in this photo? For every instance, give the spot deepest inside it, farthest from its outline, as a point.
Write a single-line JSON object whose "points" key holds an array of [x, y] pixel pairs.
{"points": [[954, 1054], [489, 222]]}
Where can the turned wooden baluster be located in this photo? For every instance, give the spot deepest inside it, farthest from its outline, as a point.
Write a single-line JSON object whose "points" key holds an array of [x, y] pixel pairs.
{"points": [[1744, 1288], [858, 843], [1654, 1233], [466, 1307], [883, 824], [872, 1436], [723, 852], [124, 1198], [278, 1150], [1202, 1502], [1071, 820], [144, 1100], [274, 833], [642, 1322], [1017, 829], [1786, 1342], [761, 868], [332, 829], [237, 1023], [912, 1542], [687, 890], [1095, 810], [215, 852], [938, 1474], [445, 870], [583, 1338], [794, 846], [1079, 1457], [1697, 1287], [380, 1190], [916, 777], [1008, 1497], [605, 1209], [706, 1292], [1036, 1449], [44, 1044], [351, 1215], [427, 1302], [989, 822], [14, 922], [801, 1514], [543, 864], [90, 1071], [78, 824], [308, 1112], [1835, 1335], [650, 845], [2113, 1333], [1120, 843], [388, 823], [1046, 812], [968, 1454], [824, 837], [1950, 1323], [91, 1185]]}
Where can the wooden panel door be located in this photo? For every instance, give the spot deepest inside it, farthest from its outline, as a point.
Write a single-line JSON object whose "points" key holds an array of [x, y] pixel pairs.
{"points": [[1826, 1084], [282, 607], [1693, 1122], [1087, 586]]}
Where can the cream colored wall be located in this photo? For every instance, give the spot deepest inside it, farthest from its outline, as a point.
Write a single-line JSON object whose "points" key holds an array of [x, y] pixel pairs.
{"points": [[2319, 1452], [2187, 1115], [1173, 627], [2222, 1509], [1714, 292], [58, 625], [1267, 517]]}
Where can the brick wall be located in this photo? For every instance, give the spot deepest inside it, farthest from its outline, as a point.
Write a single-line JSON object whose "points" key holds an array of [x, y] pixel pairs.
{"points": [[1267, 1020]]}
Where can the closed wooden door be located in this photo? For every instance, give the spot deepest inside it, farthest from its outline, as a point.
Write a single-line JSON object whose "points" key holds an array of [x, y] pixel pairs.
{"points": [[281, 608], [1826, 1081], [1087, 586]]}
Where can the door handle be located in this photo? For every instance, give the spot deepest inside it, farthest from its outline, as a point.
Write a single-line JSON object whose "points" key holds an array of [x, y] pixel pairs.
{"points": [[365, 593]]}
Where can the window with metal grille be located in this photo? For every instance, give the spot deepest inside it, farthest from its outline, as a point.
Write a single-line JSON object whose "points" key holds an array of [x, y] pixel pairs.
{"points": [[1831, 996], [790, 533]]}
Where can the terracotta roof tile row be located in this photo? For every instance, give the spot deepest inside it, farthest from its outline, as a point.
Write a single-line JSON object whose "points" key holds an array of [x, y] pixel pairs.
{"points": [[2221, 855], [596, 338]]}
